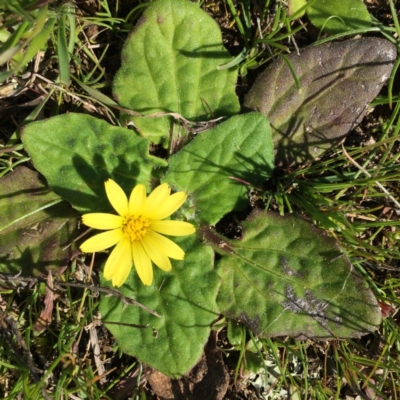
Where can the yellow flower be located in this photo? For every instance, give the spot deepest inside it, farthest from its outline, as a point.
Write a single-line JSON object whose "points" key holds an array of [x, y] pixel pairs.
{"points": [[136, 231]]}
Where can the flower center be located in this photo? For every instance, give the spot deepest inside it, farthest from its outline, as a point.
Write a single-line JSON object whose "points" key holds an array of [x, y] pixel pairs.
{"points": [[135, 227]]}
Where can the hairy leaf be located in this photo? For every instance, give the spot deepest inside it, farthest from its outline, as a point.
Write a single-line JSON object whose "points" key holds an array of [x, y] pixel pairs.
{"points": [[337, 82], [76, 153], [35, 225], [185, 299], [214, 168], [286, 278], [170, 64]]}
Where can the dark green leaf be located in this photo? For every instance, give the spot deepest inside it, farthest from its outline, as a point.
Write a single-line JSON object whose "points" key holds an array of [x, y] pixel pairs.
{"points": [[286, 278], [76, 153], [35, 226], [214, 168], [170, 64], [185, 299]]}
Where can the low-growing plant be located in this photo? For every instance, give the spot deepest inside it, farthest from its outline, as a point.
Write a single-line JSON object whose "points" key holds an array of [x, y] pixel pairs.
{"points": [[181, 129]]}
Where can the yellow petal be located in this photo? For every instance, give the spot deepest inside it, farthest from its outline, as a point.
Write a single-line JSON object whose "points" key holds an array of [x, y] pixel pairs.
{"points": [[142, 263], [119, 263], [173, 228], [137, 199], [158, 257], [102, 241], [169, 206], [167, 246], [117, 197], [156, 198], [102, 221]]}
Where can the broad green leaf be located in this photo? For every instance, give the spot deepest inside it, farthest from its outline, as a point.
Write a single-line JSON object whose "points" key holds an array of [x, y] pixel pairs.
{"points": [[337, 16], [36, 225], [337, 82], [214, 167], [296, 5], [184, 298], [170, 64], [286, 278], [76, 153]]}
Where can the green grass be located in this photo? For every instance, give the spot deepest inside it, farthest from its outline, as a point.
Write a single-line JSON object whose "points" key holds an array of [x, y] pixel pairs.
{"points": [[342, 194]]}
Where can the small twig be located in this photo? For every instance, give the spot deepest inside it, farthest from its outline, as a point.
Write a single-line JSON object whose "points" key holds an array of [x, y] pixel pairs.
{"points": [[195, 127], [10, 149], [57, 284], [94, 341], [370, 176], [52, 84], [111, 292], [45, 315], [190, 126], [119, 323], [78, 238]]}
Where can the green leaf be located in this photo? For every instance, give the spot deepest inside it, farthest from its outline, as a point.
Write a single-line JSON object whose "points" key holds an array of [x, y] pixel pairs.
{"points": [[253, 362], [76, 153], [212, 168], [170, 64], [185, 299], [337, 16], [286, 278], [337, 82], [296, 5], [235, 333], [35, 225]]}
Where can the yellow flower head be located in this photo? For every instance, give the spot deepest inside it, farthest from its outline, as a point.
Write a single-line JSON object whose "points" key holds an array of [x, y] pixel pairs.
{"points": [[136, 231]]}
